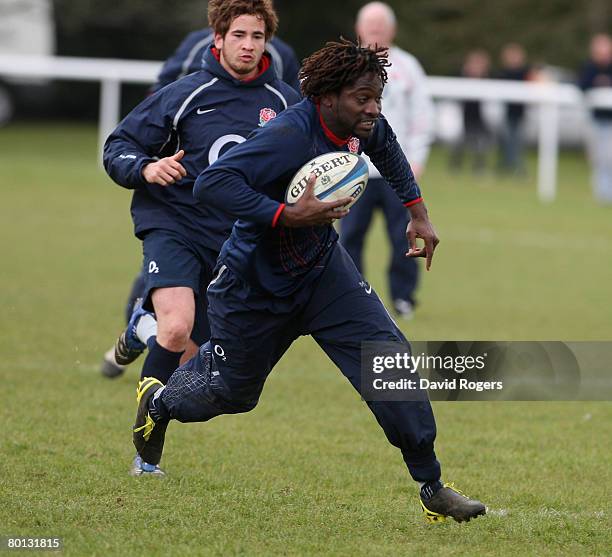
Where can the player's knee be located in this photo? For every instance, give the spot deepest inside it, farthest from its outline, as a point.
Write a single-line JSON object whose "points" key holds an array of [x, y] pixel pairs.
{"points": [[191, 349], [174, 332], [235, 400], [238, 405], [201, 407]]}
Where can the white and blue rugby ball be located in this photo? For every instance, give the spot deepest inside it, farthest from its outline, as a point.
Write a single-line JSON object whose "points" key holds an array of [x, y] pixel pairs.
{"points": [[339, 174]]}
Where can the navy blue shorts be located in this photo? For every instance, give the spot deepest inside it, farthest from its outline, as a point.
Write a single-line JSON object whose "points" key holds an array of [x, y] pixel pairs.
{"points": [[170, 260]]}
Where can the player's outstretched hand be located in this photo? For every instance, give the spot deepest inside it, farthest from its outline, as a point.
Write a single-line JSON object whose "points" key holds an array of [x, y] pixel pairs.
{"points": [[165, 171], [421, 227], [309, 211]]}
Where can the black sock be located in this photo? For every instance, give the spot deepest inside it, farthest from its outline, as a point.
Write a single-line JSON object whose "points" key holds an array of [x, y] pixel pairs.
{"points": [[430, 489], [160, 363], [158, 410], [151, 342]]}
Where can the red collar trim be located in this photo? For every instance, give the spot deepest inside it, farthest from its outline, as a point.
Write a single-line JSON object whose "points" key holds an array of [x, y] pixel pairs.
{"points": [[264, 64], [330, 134]]}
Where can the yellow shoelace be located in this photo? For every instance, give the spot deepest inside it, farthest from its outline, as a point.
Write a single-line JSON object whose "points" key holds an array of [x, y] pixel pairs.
{"points": [[147, 427], [451, 485]]}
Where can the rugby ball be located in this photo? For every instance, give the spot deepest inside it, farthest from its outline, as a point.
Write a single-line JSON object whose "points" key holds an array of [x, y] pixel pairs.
{"points": [[339, 174]]}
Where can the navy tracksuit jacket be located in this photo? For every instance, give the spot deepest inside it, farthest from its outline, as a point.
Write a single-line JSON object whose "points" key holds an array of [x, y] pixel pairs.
{"points": [[251, 182]]}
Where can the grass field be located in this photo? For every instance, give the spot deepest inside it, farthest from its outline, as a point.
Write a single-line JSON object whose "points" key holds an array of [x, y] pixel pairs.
{"points": [[308, 471]]}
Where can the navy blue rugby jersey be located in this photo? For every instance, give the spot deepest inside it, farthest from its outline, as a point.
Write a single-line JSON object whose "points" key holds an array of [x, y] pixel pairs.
{"points": [[205, 114], [188, 58], [250, 181]]}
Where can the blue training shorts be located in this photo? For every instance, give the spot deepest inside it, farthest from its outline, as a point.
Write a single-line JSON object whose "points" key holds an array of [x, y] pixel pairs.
{"points": [[171, 259]]}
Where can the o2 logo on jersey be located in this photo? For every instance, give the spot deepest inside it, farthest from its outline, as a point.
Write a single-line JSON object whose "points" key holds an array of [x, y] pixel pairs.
{"points": [[265, 115], [215, 149], [353, 145]]}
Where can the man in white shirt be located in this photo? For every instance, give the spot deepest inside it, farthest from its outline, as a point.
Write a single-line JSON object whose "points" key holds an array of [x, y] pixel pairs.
{"points": [[409, 109]]}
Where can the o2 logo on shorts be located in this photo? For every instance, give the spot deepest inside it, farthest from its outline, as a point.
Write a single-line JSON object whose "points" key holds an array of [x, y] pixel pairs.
{"points": [[153, 268], [218, 349]]}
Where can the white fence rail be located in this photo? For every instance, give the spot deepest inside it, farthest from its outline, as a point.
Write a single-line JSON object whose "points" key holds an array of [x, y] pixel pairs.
{"points": [[549, 97], [109, 72]]}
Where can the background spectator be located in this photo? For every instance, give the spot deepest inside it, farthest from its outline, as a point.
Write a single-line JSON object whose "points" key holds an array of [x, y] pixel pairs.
{"points": [[476, 140], [597, 72], [511, 142]]}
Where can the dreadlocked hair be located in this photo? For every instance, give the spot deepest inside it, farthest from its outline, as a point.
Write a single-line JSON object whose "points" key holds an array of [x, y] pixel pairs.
{"points": [[221, 13], [341, 63]]}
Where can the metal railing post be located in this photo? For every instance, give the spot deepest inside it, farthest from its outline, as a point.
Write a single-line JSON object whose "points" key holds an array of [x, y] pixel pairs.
{"points": [[110, 110], [548, 150]]}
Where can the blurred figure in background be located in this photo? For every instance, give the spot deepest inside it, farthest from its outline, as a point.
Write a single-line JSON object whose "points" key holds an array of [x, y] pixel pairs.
{"points": [[407, 106], [597, 72], [511, 142], [476, 140]]}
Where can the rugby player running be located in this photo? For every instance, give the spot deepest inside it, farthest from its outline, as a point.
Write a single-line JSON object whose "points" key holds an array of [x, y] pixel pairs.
{"points": [[159, 149], [282, 273]]}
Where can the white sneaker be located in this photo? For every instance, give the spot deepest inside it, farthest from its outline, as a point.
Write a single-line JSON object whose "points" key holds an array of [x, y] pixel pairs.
{"points": [[404, 309], [142, 468], [109, 367]]}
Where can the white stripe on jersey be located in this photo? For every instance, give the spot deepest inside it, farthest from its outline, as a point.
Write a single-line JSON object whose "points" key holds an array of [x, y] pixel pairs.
{"points": [[196, 48], [277, 93], [221, 271], [190, 98], [276, 60]]}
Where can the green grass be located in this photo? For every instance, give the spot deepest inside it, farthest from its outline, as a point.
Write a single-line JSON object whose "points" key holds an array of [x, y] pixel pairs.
{"points": [[308, 471]]}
